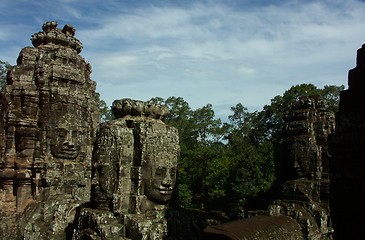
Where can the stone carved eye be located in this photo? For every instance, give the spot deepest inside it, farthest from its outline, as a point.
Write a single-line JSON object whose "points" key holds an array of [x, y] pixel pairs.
{"points": [[173, 172], [61, 132], [160, 171], [75, 133]]}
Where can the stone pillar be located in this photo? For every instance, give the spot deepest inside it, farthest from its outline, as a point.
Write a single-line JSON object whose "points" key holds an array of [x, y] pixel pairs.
{"points": [[23, 193], [348, 162], [8, 199]]}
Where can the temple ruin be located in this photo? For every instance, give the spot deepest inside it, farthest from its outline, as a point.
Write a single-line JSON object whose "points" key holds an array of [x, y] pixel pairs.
{"points": [[58, 172], [304, 167], [64, 175], [50, 116]]}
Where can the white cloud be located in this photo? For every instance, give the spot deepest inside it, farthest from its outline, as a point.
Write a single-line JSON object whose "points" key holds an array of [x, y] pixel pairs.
{"points": [[215, 52], [118, 60], [216, 47], [4, 35], [245, 71]]}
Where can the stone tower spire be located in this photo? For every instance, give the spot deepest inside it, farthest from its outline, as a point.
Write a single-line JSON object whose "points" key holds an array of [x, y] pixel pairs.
{"points": [[49, 112]]}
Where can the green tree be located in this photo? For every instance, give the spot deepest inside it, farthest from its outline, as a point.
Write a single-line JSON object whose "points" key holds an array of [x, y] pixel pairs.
{"points": [[202, 144], [252, 171], [222, 165], [253, 140], [179, 114], [332, 94], [243, 125], [271, 119], [207, 129], [4, 68], [105, 112], [217, 182]]}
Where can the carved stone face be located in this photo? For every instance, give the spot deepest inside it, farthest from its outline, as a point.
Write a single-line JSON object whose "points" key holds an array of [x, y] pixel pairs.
{"points": [[159, 178], [299, 154], [64, 143]]}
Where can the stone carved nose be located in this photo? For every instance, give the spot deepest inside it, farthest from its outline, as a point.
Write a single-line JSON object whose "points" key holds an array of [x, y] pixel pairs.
{"points": [[69, 141], [68, 144], [167, 181]]}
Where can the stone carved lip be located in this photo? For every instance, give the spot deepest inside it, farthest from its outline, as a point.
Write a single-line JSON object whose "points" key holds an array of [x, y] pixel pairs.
{"points": [[66, 152], [69, 151], [165, 191]]}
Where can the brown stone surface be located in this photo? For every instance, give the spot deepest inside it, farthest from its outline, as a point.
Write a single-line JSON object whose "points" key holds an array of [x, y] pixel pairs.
{"points": [[348, 163], [134, 171], [53, 163], [50, 116], [306, 153], [256, 228]]}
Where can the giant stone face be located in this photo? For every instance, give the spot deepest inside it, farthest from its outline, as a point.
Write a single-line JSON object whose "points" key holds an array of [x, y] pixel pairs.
{"points": [[159, 176], [159, 162], [65, 142]]}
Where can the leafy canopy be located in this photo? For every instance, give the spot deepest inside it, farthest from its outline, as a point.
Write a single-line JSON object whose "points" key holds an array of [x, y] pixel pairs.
{"points": [[223, 165]]}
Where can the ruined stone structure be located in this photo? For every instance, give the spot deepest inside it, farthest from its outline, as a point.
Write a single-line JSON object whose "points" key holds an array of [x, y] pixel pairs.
{"points": [[301, 210], [134, 174], [305, 167], [64, 176], [49, 112], [305, 142], [59, 177], [348, 163]]}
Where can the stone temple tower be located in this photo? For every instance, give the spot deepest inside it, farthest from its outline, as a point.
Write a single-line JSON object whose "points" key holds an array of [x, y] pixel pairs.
{"points": [[348, 163], [49, 112], [134, 175]]}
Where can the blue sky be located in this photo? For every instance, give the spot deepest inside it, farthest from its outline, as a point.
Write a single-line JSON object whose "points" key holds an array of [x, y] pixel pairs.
{"points": [[218, 52]]}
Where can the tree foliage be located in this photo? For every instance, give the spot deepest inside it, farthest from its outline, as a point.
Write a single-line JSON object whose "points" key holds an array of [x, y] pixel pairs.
{"points": [[4, 68], [105, 113], [223, 165], [270, 120]]}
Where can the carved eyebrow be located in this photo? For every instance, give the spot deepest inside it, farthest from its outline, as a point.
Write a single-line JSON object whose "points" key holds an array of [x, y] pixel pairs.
{"points": [[61, 129], [161, 168]]}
